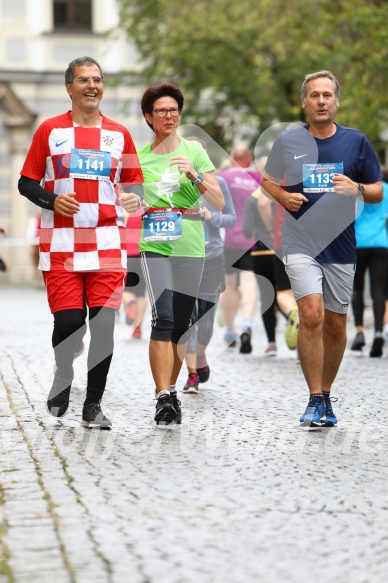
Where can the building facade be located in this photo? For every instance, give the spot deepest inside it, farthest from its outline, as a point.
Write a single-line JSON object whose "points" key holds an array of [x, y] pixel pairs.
{"points": [[38, 40]]}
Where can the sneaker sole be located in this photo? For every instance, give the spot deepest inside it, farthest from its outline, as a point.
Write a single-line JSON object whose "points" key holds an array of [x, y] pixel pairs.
{"points": [[311, 424], [91, 425], [311, 427], [191, 391]]}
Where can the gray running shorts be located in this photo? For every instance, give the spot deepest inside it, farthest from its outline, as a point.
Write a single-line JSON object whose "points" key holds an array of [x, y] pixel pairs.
{"points": [[334, 281]]}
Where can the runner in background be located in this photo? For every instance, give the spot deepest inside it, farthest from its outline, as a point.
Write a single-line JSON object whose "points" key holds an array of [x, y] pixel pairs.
{"points": [[372, 256], [240, 280], [212, 284], [134, 296]]}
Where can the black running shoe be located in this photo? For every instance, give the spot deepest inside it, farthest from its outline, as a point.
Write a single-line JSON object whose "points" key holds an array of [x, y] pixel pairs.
{"points": [[358, 342], [177, 406], [92, 416], [377, 347], [203, 373], [59, 395], [245, 342], [165, 412]]}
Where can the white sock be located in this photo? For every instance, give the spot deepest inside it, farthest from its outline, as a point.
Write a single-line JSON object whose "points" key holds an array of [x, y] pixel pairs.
{"points": [[161, 393]]}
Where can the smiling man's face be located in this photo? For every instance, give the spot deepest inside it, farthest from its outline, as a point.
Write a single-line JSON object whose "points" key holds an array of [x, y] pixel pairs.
{"points": [[87, 88]]}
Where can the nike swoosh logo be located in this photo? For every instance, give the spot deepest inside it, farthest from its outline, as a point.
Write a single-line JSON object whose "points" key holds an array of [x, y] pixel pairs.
{"points": [[57, 144], [297, 157]]}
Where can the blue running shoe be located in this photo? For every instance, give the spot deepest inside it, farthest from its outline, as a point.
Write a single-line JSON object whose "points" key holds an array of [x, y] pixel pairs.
{"points": [[315, 410], [330, 419], [230, 337]]}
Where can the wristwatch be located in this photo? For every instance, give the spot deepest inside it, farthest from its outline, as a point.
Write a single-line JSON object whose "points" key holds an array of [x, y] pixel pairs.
{"points": [[200, 178], [360, 189]]}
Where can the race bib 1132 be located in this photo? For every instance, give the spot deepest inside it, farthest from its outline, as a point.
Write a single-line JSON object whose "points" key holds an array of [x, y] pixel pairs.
{"points": [[319, 177]]}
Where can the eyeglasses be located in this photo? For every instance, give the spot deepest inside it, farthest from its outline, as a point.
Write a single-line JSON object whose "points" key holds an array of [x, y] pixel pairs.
{"points": [[163, 112], [86, 80]]}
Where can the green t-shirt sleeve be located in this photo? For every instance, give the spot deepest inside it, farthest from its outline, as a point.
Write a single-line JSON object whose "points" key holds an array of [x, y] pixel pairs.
{"points": [[198, 156]]}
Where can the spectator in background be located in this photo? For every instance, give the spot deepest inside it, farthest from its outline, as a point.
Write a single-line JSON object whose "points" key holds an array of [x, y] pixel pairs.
{"points": [[372, 256], [240, 280]]}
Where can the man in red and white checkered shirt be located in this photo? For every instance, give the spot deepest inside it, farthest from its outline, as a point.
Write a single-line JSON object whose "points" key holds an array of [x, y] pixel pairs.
{"points": [[72, 171]]}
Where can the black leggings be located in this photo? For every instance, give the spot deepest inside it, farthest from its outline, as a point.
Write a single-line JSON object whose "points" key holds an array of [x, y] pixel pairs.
{"points": [[69, 329], [264, 265], [172, 284], [376, 260]]}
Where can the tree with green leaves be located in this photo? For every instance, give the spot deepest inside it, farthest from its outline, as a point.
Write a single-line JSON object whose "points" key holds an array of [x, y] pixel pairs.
{"points": [[241, 63]]}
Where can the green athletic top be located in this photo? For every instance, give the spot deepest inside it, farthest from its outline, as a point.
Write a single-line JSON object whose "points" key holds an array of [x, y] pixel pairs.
{"points": [[164, 187]]}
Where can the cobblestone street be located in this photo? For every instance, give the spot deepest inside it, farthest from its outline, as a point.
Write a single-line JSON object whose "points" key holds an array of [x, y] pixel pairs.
{"points": [[237, 494]]}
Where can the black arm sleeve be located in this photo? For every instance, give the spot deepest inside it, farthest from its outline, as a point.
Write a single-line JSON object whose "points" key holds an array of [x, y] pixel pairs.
{"points": [[136, 189], [32, 190]]}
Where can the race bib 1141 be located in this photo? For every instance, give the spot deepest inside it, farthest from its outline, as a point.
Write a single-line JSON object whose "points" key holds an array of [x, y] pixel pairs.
{"points": [[90, 164]]}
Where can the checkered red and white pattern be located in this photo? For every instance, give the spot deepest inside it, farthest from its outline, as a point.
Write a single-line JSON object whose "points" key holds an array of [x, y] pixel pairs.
{"points": [[94, 238]]}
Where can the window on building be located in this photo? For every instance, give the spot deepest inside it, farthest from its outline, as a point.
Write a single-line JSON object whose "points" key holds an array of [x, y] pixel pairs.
{"points": [[72, 14]]}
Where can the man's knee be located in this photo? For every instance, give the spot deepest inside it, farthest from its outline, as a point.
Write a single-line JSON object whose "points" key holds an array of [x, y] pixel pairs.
{"points": [[102, 314], [335, 324], [311, 311], [68, 324]]}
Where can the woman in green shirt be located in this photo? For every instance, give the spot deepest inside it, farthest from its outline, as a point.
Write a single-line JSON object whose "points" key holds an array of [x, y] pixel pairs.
{"points": [[176, 173]]}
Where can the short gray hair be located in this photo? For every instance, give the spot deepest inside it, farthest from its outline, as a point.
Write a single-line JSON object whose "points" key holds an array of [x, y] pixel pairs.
{"points": [[317, 75], [80, 62]]}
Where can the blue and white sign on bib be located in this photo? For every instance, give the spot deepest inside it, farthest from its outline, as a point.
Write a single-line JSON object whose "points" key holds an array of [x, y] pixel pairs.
{"points": [[162, 225], [90, 164], [319, 177]]}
